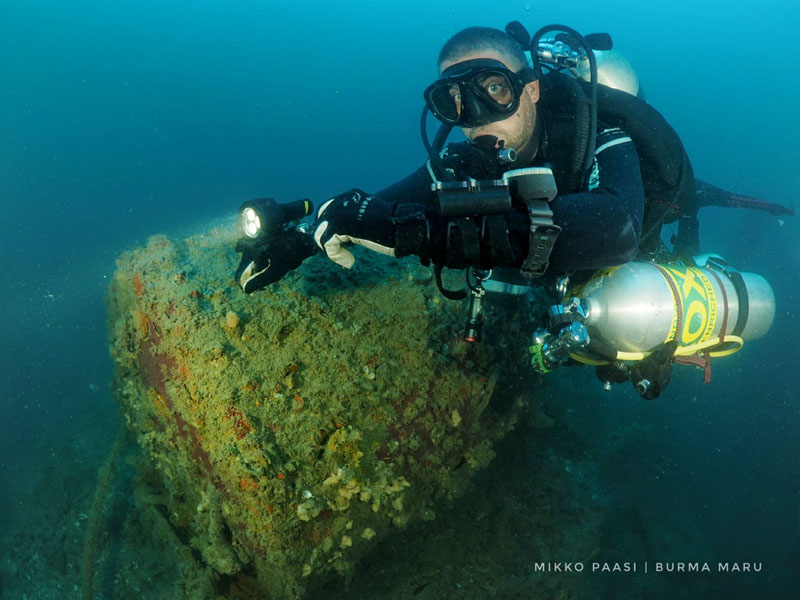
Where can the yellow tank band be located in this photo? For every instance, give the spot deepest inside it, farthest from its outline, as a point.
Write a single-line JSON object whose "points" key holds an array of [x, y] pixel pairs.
{"points": [[698, 304], [727, 346]]}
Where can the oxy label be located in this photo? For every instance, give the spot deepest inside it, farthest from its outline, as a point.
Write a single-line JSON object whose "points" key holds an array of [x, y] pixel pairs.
{"points": [[699, 302]]}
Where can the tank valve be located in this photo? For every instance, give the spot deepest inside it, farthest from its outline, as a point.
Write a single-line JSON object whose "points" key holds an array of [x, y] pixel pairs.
{"points": [[551, 351]]}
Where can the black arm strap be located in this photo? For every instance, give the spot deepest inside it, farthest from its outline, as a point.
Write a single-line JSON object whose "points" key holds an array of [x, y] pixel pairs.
{"points": [[499, 243], [463, 233], [412, 232], [542, 237]]}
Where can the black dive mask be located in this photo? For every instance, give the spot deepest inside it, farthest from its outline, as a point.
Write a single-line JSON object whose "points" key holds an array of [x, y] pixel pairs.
{"points": [[476, 92]]}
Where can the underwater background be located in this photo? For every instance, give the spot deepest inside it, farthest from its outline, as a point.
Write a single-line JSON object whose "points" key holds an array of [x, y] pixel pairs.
{"points": [[122, 120]]}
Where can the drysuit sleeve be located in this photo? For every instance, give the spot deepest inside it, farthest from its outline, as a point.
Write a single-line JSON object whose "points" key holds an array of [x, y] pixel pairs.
{"points": [[414, 189], [603, 225]]}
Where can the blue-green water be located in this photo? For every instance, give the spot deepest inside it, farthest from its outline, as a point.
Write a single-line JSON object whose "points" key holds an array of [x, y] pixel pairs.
{"points": [[119, 120]]}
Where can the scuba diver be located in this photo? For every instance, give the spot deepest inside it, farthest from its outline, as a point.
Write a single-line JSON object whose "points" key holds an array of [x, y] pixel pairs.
{"points": [[560, 175]]}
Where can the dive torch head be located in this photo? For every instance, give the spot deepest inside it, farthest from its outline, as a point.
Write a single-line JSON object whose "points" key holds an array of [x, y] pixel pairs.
{"points": [[261, 220], [270, 246]]}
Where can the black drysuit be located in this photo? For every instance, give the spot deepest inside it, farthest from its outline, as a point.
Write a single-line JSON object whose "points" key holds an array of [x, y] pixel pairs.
{"points": [[601, 225]]}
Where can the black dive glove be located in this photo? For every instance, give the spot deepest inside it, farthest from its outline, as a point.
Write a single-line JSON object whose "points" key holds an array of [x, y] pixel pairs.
{"points": [[270, 245], [355, 217], [267, 263]]}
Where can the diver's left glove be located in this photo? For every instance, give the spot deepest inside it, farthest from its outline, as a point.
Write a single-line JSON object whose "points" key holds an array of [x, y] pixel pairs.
{"points": [[355, 217], [265, 263]]}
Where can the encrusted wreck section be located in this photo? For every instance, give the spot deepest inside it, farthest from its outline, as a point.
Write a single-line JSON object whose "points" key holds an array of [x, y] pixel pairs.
{"points": [[288, 431]]}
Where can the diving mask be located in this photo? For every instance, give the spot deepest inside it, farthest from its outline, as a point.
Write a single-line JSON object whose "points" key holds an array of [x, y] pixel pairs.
{"points": [[476, 92]]}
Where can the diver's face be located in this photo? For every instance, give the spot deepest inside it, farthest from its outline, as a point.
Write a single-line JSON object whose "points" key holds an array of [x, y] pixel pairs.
{"points": [[516, 130]]}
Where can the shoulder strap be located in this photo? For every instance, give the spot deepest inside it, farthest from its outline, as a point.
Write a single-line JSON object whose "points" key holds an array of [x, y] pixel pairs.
{"points": [[565, 109], [666, 170]]}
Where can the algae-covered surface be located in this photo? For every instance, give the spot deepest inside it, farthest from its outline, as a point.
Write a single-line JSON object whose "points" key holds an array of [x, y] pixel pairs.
{"points": [[332, 437], [287, 432]]}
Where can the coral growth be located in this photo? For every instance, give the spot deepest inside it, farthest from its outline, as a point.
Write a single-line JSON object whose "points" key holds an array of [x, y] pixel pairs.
{"points": [[293, 429]]}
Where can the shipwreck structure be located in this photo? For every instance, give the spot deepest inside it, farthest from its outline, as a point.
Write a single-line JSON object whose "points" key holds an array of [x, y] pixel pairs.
{"points": [[285, 433]]}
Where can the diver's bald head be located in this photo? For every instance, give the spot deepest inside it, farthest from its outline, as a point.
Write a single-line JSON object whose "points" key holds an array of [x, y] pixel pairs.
{"points": [[485, 41]]}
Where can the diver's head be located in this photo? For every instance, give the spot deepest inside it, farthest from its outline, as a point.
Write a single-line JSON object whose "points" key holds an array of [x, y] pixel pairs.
{"points": [[487, 89]]}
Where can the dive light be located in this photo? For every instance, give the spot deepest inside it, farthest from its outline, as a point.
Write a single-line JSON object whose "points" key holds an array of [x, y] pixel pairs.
{"points": [[270, 245], [472, 332], [262, 219]]}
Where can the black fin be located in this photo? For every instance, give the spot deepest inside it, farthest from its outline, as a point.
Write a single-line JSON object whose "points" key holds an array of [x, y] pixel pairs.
{"points": [[711, 195]]}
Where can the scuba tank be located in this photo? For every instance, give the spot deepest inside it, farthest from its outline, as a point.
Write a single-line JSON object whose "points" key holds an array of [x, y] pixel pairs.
{"points": [[651, 315], [614, 71], [635, 307]]}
